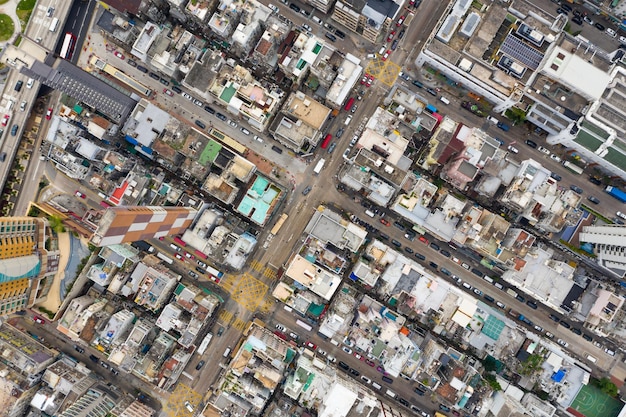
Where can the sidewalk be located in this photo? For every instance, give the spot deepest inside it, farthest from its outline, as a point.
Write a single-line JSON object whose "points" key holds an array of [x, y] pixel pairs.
{"points": [[53, 300]]}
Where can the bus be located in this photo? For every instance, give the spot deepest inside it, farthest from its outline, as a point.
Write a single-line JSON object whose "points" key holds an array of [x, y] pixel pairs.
{"points": [[205, 343], [572, 167], [67, 50], [54, 25], [349, 104], [303, 325], [180, 241], [279, 224], [326, 141], [165, 258]]}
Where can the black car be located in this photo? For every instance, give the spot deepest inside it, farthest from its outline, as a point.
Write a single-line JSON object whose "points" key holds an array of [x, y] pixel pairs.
{"points": [[277, 149], [354, 372], [420, 256], [18, 86], [418, 84], [531, 144], [192, 274], [399, 226], [532, 304], [594, 180], [435, 246], [433, 265], [330, 36], [387, 379], [587, 337], [561, 11], [202, 271], [593, 199], [576, 189], [554, 317], [209, 109], [131, 63], [176, 90], [520, 298], [556, 176], [340, 34], [431, 92], [154, 76], [599, 26], [164, 82], [383, 236], [445, 253], [396, 243], [576, 330], [394, 44], [578, 20], [401, 34], [408, 250], [200, 124], [79, 349], [489, 298], [339, 133], [444, 408], [220, 116], [403, 402], [306, 190], [294, 7], [419, 391], [94, 358], [199, 365], [343, 366], [142, 69], [445, 271], [477, 272], [564, 324]]}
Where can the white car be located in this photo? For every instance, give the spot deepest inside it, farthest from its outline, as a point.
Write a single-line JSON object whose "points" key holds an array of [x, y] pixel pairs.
{"points": [[543, 150], [258, 139], [513, 149], [562, 343], [347, 350], [306, 27], [610, 32], [280, 327], [273, 8], [366, 379], [233, 124], [555, 158]]}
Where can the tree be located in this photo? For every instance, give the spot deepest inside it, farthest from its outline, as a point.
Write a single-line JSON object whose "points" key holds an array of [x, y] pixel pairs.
{"points": [[56, 224], [606, 386]]}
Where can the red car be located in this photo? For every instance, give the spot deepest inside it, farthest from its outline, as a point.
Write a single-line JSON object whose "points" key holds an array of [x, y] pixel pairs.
{"points": [[311, 345], [189, 256], [118, 54], [386, 55], [5, 120], [370, 363], [370, 80], [391, 35], [79, 194], [400, 21], [423, 240], [39, 320], [49, 113], [179, 256], [385, 222], [168, 92]]}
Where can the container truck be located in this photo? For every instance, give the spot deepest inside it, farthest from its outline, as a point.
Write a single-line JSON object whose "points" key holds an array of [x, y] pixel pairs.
{"points": [[616, 192]]}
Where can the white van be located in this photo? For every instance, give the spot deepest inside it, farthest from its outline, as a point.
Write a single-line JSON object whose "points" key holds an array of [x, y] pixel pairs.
{"points": [[488, 279], [382, 50], [189, 406], [287, 308], [444, 100], [30, 83], [369, 213], [376, 385], [317, 20], [227, 352], [334, 342], [348, 120], [493, 120], [591, 359], [391, 393], [10, 104]]}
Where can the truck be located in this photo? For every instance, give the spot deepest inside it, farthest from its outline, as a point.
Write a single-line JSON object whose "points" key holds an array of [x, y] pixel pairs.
{"points": [[320, 165], [54, 24], [520, 317], [511, 293], [616, 193]]}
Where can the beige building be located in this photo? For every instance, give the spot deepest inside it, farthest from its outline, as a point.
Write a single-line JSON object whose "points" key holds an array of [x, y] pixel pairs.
{"points": [[298, 126]]}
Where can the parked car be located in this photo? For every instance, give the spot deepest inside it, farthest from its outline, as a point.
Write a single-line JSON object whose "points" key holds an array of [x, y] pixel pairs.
{"points": [[576, 189]]}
